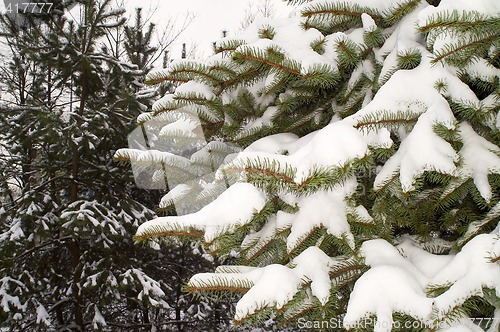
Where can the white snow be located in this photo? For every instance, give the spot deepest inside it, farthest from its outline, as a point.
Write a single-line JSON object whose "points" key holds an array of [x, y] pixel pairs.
{"points": [[483, 70], [423, 150], [264, 120], [384, 290], [254, 242], [275, 284], [273, 143], [397, 281], [319, 150], [315, 265], [440, 40], [475, 226], [8, 285], [42, 316], [468, 272], [362, 213], [368, 22], [380, 5], [427, 263], [311, 151], [195, 87], [187, 127], [321, 209], [290, 38], [480, 158], [150, 288], [234, 207], [174, 194], [98, 319], [414, 91], [159, 104]]}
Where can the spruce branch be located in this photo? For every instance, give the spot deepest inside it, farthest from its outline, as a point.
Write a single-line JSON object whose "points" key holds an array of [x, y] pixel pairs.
{"points": [[384, 119], [173, 230], [396, 13], [463, 52], [343, 12], [284, 65]]}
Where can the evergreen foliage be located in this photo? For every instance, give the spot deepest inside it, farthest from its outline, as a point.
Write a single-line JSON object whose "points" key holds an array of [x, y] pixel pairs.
{"points": [[357, 168]]}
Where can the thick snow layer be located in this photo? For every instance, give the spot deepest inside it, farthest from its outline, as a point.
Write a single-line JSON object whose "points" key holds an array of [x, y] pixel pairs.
{"points": [[405, 38], [468, 272], [321, 209], [399, 278], [423, 150], [273, 143], [273, 285], [195, 87], [368, 22], [480, 158], [333, 145], [176, 193], [348, 146], [382, 253], [161, 104], [234, 207], [384, 290], [320, 151], [290, 38], [187, 127], [425, 262], [483, 70], [414, 91], [315, 265]]}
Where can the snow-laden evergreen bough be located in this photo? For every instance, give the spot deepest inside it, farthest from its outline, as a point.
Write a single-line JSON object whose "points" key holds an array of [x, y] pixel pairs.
{"points": [[366, 184]]}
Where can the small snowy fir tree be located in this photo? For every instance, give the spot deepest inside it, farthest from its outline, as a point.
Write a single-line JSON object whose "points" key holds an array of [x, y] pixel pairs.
{"points": [[344, 163]]}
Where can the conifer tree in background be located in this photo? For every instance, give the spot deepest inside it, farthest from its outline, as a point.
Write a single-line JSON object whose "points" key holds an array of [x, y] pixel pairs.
{"points": [[58, 232], [67, 261], [347, 168]]}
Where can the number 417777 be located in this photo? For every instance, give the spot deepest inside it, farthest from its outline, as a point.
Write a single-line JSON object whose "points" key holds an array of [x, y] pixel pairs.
{"points": [[28, 7], [485, 322]]}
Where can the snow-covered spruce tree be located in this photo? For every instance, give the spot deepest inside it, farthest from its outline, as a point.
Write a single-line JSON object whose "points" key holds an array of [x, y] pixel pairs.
{"points": [[366, 182], [66, 257]]}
